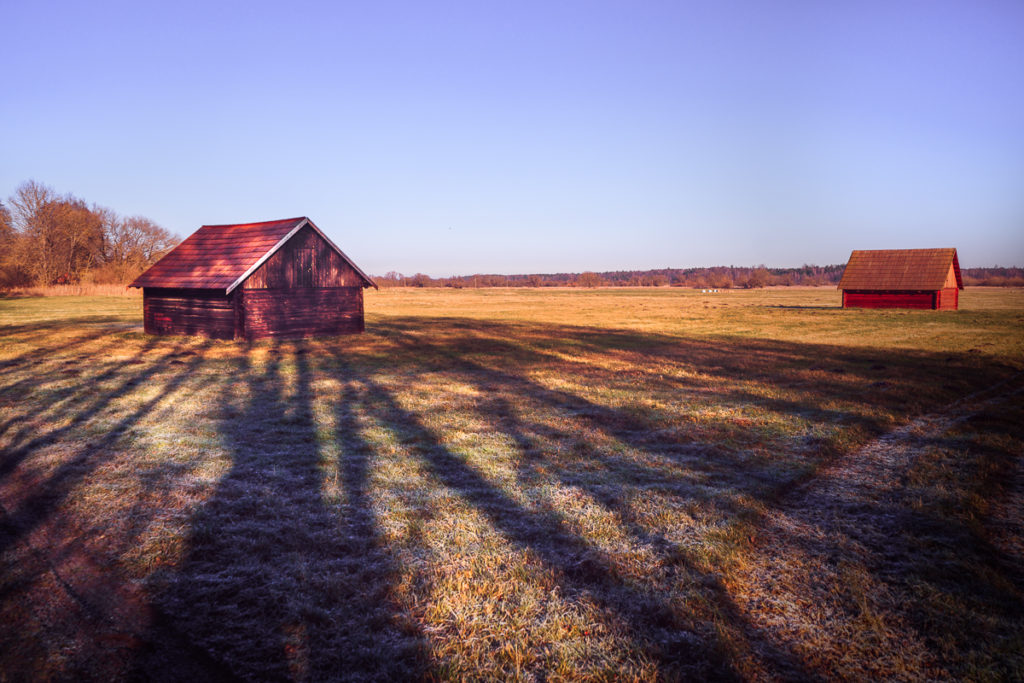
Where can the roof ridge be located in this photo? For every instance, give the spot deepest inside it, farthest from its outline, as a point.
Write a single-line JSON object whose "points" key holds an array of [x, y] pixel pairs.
{"points": [[909, 250], [235, 225]]}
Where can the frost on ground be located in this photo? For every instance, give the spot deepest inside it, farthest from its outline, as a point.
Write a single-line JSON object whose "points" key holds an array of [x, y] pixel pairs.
{"points": [[858, 577]]}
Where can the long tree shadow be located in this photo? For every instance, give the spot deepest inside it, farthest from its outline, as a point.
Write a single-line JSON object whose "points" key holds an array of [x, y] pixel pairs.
{"points": [[675, 564], [43, 366], [681, 644], [495, 361], [47, 495], [50, 545], [663, 628], [452, 355], [39, 340], [278, 584], [71, 399], [284, 581]]}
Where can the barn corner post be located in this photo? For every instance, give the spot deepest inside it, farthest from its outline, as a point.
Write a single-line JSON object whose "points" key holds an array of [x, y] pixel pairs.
{"points": [[236, 300], [902, 278], [362, 315], [281, 278]]}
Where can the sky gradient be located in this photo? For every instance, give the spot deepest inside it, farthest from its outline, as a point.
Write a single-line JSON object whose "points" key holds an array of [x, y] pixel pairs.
{"points": [[453, 138]]}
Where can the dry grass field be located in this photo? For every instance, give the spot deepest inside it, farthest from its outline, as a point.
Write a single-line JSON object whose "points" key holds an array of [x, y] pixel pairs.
{"points": [[517, 484]]}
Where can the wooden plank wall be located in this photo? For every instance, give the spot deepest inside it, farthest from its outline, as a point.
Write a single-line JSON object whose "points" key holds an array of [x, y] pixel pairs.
{"points": [[292, 313], [204, 312], [305, 260], [949, 298], [862, 299]]}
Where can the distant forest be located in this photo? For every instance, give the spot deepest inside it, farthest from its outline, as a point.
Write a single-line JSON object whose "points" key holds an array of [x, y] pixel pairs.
{"points": [[52, 239], [717, 277]]}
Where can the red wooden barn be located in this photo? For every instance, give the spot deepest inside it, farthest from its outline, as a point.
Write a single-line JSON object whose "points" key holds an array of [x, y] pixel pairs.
{"points": [[902, 278], [250, 280]]}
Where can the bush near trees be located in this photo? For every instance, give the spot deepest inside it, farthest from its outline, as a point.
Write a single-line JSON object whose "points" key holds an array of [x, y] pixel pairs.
{"points": [[52, 239]]}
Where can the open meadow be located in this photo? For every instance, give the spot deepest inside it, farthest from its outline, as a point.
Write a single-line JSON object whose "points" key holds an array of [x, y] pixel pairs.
{"points": [[530, 484]]}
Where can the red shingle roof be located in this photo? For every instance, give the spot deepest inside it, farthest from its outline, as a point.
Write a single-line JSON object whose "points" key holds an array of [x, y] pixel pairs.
{"points": [[218, 256], [900, 269]]}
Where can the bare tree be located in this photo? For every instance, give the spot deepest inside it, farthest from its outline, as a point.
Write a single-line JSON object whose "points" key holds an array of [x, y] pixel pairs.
{"points": [[6, 228], [48, 238], [27, 201], [11, 272], [60, 237], [130, 245]]}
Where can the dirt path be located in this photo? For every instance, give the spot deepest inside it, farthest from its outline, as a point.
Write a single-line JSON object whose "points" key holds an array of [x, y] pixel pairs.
{"points": [[836, 561]]}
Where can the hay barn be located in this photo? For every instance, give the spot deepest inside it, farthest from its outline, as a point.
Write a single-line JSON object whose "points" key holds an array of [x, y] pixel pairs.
{"points": [[902, 278], [281, 278]]}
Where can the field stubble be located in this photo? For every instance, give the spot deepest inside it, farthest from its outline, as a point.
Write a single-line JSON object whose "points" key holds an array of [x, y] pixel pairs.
{"points": [[526, 484]]}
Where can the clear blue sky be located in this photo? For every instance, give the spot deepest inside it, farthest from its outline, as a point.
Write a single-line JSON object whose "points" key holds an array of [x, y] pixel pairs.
{"points": [[510, 137]]}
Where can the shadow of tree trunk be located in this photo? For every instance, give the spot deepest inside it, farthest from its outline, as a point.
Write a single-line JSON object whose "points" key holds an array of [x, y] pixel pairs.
{"points": [[278, 584]]}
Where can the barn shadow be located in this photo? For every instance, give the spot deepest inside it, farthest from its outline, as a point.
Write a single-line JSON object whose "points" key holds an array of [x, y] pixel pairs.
{"points": [[804, 308], [288, 578]]}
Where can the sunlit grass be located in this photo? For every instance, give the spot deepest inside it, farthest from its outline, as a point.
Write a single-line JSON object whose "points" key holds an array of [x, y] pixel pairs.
{"points": [[487, 484]]}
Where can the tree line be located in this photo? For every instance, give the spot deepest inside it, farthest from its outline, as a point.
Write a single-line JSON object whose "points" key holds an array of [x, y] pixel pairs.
{"points": [[48, 238], [716, 277], [993, 277]]}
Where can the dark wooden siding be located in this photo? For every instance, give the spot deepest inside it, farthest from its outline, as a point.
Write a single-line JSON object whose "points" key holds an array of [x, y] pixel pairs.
{"points": [[876, 299], [306, 260], [205, 312], [291, 313]]}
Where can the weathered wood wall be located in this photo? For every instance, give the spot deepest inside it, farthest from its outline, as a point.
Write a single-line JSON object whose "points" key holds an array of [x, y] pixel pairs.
{"points": [[302, 312], [204, 312], [304, 261], [305, 289], [948, 299]]}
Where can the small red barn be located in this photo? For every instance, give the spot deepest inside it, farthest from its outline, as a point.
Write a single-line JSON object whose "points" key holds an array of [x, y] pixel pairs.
{"points": [[280, 278], [902, 278]]}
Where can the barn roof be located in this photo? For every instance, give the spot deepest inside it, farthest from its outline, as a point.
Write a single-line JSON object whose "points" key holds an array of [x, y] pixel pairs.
{"points": [[900, 269], [223, 256]]}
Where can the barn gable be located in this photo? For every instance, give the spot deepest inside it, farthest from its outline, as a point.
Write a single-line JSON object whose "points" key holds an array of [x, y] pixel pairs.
{"points": [[306, 259]]}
